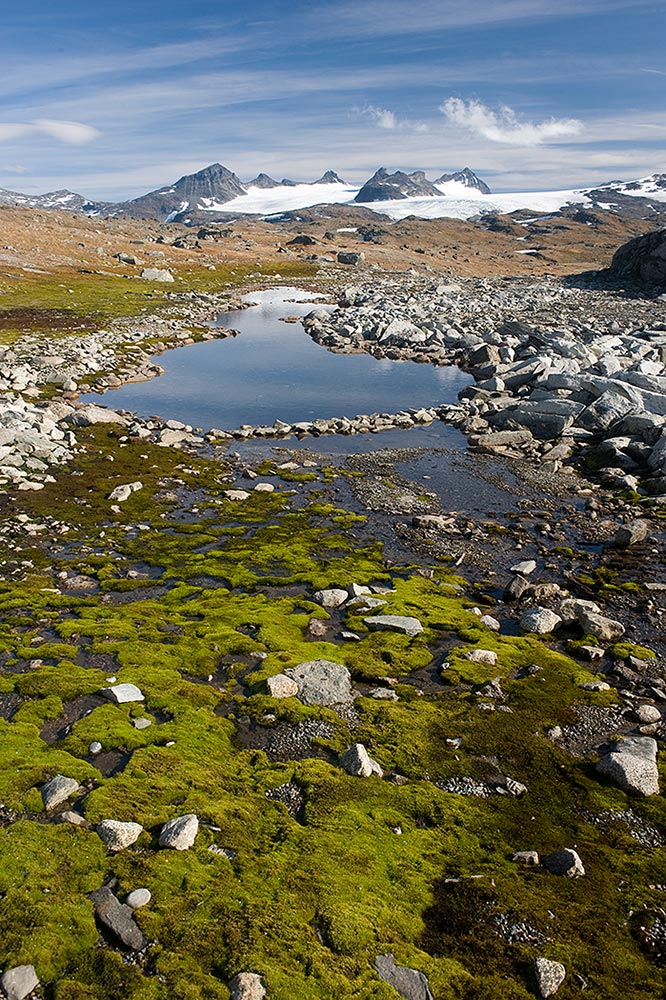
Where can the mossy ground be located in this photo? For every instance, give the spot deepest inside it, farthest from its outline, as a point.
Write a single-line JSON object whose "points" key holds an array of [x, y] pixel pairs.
{"points": [[307, 902]]}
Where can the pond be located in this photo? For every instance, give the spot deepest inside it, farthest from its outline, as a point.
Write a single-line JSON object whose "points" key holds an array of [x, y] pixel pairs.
{"points": [[273, 370]]}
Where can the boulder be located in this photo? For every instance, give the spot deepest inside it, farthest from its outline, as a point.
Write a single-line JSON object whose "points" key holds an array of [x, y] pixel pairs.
{"points": [[408, 983], [539, 621], [394, 623], [632, 764], [350, 257], [605, 629], [58, 790], [528, 858], [565, 862], [525, 567], [321, 682], [549, 976], [246, 986], [180, 833], [357, 761], [19, 982], [642, 261], [118, 918], [647, 714], [156, 274], [630, 534], [487, 656], [118, 835]]}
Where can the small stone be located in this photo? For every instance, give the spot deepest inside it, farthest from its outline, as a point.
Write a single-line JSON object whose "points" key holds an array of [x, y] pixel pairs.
{"points": [[180, 833], [123, 693], [70, 817], [332, 597], [264, 488], [19, 982], [281, 686], [486, 656], [157, 274], [138, 897], [539, 621], [528, 858], [58, 790], [595, 686], [525, 567], [490, 622], [647, 714], [394, 623], [141, 723], [565, 862], [95, 747], [124, 492], [118, 835], [357, 761], [246, 986], [549, 976], [236, 494], [316, 628]]}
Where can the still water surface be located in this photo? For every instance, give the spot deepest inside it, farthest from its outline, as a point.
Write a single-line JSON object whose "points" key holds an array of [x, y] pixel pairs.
{"points": [[273, 370]]}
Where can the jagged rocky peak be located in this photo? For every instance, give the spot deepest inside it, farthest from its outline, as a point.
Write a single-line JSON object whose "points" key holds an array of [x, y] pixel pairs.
{"points": [[383, 186], [330, 177], [207, 188], [466, 177], [264, 181]]}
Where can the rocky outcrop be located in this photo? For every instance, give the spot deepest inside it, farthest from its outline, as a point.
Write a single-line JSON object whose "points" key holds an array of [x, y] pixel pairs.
{"points": [[642, 261], [383, 186]]}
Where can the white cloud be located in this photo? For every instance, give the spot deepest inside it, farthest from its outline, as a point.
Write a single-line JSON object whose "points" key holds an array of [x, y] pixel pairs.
{"points": [[388, 120], [504, 126], [72, 133]]}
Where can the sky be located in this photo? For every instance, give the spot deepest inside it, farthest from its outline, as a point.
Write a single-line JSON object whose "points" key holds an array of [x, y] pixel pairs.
{"points": [[115, 99]]}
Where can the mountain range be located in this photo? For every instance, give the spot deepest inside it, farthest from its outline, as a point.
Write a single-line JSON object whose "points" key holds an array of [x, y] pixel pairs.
{"points": [[215, 192], [212, 188]]}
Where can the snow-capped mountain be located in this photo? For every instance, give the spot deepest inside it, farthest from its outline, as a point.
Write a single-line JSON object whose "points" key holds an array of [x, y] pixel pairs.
{"points": [[66, 200], [653, 187], [465, 177], [383, 186]]}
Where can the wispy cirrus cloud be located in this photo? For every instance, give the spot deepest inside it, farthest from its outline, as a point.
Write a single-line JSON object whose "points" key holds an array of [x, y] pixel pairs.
{"points": [[386, 119], [504, 126], [72, 133]]}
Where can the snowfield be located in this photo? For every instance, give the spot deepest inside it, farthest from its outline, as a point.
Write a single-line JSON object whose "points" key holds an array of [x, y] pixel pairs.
{"points": [[458, 201]]}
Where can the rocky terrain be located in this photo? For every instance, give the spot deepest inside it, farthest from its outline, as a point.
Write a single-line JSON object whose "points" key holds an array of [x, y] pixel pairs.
{"points": [[287, 726]]}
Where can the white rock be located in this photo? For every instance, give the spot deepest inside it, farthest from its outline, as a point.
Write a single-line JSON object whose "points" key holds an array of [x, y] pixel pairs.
{"points": [[647, 714], [487, 656], [403, 624], [539, 621], [236, 494], [118, 835], [95, 747], [138, 897], [632, 764], [124, 492], [525, 567], [281, 686], [549, 976], [246, 986], [264, 488], [490, 622], [180, 833], [332, 597], [123, 693], [156, 274], [357, 761]]}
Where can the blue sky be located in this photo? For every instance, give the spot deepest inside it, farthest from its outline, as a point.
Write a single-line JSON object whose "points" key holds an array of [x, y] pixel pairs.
{"points": [[113, 99]]}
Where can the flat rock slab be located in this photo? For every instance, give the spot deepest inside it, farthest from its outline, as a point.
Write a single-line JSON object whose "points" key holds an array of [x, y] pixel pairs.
{"points": [[19, 982], [321, 682], [180, 833], [118, 918], [118, 835], [58, 790], [394, 623], [409, 983], [123, 693], [632, 764]]}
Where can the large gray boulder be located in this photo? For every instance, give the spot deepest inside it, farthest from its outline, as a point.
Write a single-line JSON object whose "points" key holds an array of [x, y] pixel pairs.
{"points": [[632, 764], [409, 983], [642, 261], [321, 682]]}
